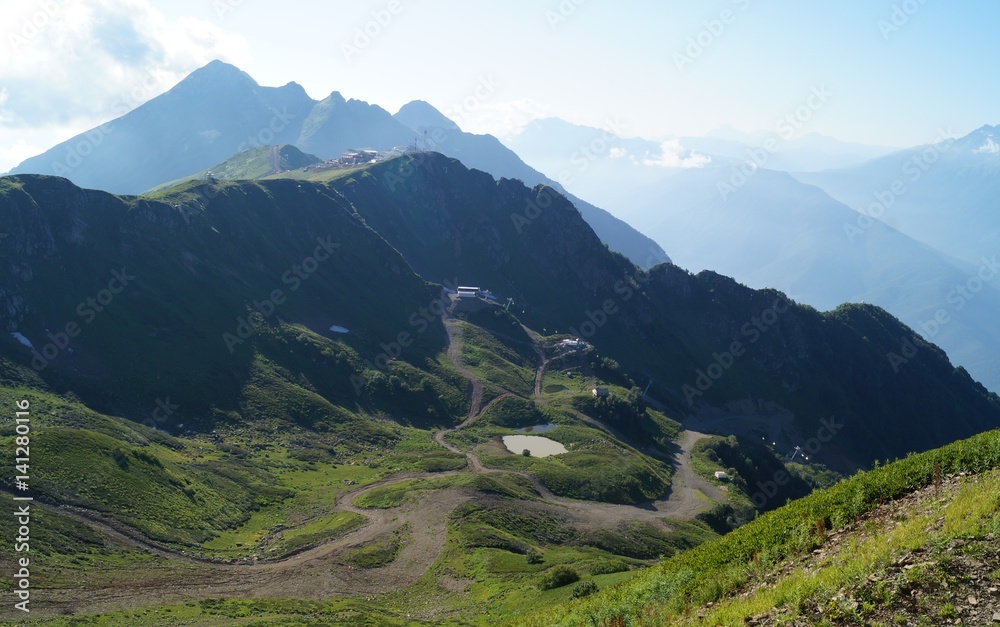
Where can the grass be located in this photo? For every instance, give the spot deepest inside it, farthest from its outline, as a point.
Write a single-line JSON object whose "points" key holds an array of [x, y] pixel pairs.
{"points": [[507, 365], [714, 569], [597, 467], [381, 551], [251, 612]]}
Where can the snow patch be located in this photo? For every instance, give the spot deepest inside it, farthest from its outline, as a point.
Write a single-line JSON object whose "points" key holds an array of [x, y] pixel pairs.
{"points": [[339, 329], [20, 338], [989, 148]]}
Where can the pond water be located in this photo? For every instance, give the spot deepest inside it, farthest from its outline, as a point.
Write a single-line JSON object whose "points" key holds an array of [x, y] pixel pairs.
{"points": [[537, 445], [538, 428]]}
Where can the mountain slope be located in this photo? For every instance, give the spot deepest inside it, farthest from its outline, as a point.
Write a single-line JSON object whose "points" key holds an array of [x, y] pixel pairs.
{"points": [[219, 111], [336, 125], [211, 115], [943, 194], [487, 153], [666, 324], [253, 163], [335, 422], [450, 223], [774, 231], [856, 554], [222, 288]]}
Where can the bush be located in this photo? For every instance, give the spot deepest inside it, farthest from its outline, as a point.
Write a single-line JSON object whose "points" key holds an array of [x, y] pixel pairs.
{"points": [[606, 567], [120, 458], [558, 577], [534, 557], [584, 588]]}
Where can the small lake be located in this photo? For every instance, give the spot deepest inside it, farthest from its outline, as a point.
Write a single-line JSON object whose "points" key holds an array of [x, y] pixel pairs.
{"points": [[537, 429], [537, 445]]}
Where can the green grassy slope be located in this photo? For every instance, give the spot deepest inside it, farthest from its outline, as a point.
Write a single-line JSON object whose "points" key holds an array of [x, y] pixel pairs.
{"points": [[703, 338], [227, 290], [683, 586]]}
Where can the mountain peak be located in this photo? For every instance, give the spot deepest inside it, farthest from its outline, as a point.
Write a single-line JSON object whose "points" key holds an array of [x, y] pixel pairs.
{"points": [[218, 73], [292, 86], [419, 115]]}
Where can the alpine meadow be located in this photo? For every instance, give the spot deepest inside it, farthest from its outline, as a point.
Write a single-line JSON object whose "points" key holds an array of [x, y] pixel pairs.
{"points": [[551, 314]]}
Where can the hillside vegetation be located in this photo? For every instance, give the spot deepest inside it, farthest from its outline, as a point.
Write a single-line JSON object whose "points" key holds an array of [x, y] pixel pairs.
{"points": [[257, 401], [763, 568]]}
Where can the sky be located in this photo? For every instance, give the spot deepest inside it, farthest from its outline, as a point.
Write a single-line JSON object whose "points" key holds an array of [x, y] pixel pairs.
{"points": [[894, 72]]}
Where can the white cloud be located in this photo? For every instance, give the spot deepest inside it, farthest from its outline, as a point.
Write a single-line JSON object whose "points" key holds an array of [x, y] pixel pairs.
{"points": [[15, 150], [617, 153], [990, 148], [82, 62], [673, 155], [503, 120]]}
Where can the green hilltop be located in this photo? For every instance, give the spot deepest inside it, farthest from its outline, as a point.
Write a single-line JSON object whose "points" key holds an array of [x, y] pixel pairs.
{"points": [[260, 399]]}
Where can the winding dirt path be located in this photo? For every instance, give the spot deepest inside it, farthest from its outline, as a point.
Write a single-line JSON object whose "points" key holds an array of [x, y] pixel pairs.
{"points": [[320, 572], [689, 495], [455, 356]]}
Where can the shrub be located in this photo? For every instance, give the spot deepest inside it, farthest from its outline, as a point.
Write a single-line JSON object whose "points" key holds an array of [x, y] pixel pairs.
{"points": [[584, 588], [606, 567], [534, 557], [120, 458], [558, 577]]}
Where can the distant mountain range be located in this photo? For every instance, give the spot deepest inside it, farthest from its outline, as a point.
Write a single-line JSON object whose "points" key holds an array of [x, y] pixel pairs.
{"points": [[219, 111], [946, 193], [585, 158], [767, 228]]}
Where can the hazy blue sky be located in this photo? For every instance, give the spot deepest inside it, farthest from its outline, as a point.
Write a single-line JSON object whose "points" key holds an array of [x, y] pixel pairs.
{"points": [[897, 70]]}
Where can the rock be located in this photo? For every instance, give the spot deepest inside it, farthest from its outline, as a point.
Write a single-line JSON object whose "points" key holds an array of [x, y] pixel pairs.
{"points": [[973, 600], [996, 617]]}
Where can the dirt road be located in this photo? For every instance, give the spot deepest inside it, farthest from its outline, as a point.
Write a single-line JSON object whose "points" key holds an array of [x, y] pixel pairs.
{"points": [[321, 572]]}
